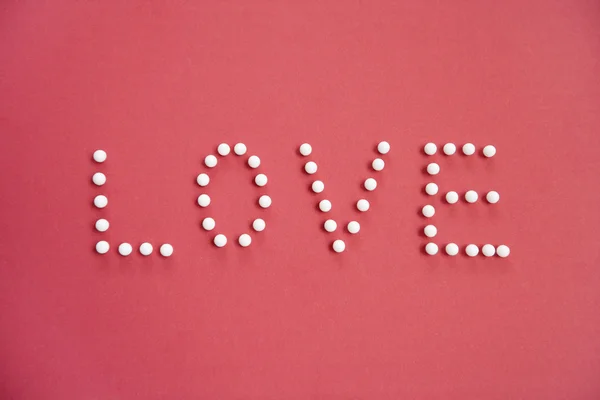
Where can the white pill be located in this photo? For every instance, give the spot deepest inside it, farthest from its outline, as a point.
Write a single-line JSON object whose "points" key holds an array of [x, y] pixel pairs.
{"points": [[100, 201], [239, 149], [203, 200], [452, 249], [244, 240], [472, 250], [363, 205], [370, 184], [489, 151], [383, 147], [488, 250], [378, 164], [431, 249], [102, 225], [339, 246], [208, 224], [220, 240], [353, 227], [433, 169], [125, 249], [305, 149], [99, 179], [146, 249], [330, 225], [310, 167], [260, 180], [264, 201], [503, 251], [210, 161], [166, 250], [451, 197], [492, 197], [325, 205], [428, 211], [430, 231], [203, 179], [259, 225], [99, 156], [102, 247], [430, 149], [468, 149], [471, 196], [431, 189], [449, 149], [318, 186], [223, 149], [254, 161]]}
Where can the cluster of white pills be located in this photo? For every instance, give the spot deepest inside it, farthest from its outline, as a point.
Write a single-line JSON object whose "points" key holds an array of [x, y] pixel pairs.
{"points": [[471, 250], [471, 196], [102, 225], [261, 180], [362, 205], [468, 149]]}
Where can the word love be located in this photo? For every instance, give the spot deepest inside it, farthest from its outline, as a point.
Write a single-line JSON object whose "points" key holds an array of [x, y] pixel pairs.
{"points": [[318, 187]]}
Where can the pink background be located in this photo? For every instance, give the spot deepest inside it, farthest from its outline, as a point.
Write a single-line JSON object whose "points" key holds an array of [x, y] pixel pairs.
{"points": [[159, 85]]}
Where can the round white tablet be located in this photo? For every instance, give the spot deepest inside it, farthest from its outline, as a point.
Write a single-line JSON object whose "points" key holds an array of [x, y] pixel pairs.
{"points": [[430, 149], [318, 186], [370, 184], [363, 205], [431, 249], [492, 197], [260, 180], [468, 149], [146, 249], [449, 149], [489, 151], [452, 249], [330, 225], [208, 224], [503, 251], [451, 197], [99, 179], [259, 225], [254, 161], [102, 247], [244, 240], [433, 169], [100, 201], [325, 205], [428, 211], [310, 167], [471, 196], [431, 189], [430, 231], [210, 161], [202, 179], [99, 156], [166, 250], [264, 201], [220, 240], [102, 225], [339, 246], [223, 149], [239, 149], [125, 249], [203, 200], [353, 227], [305, 149], [472, 250], [378, 164], [383, 147], [488, 250]]}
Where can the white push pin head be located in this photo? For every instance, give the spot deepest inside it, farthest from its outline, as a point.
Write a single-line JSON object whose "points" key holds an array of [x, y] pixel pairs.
{"points": [[260, 180], [310, 167], [305, 149], [472, 250], [383, 147], [210, 161], [339, 246], [208, 224], [254, 161], [318, 186], [468, 149], [125, 249], [353, 227], [99, 179], [259, 225], [102, 225], [449, 149], [146, 249], [325, 205], [488, 250], [363, 205], [220, 240], [100, 201], [452, 249], [244, 240], [239, 149], [430, 231], [428, 211], [471, 196], [430, 149], [433, 169], [330, 225], [264, 201], [102, 247], [431, 249], [378, 164], [489, 151], [99, 156], [431, 189], [166, 250], [503, 251], [204, 200], [202, 179], [370, 184], [223, 149], [492, 197], [451, 197]]}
